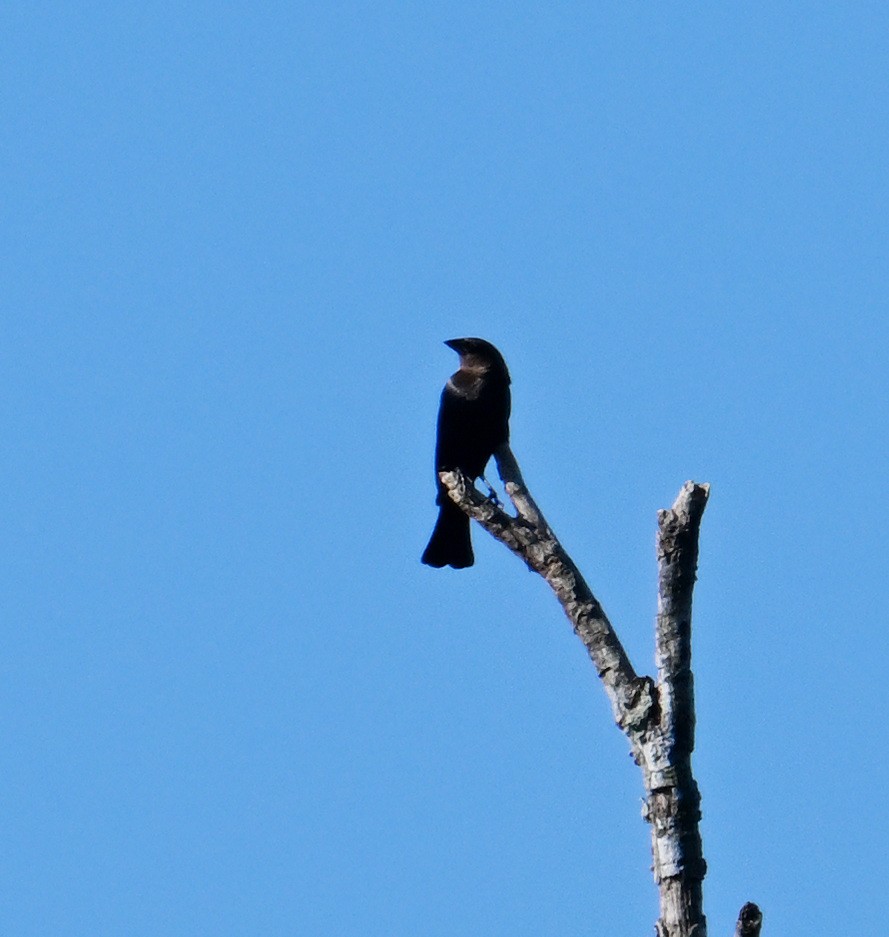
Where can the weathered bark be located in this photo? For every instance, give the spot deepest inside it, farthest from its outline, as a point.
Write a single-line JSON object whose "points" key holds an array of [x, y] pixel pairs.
{"points": [[533, 541], [673, 800], [657, 716]]}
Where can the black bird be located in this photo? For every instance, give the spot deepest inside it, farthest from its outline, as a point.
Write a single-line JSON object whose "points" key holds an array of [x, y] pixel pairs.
{"points": [[473, 421]]}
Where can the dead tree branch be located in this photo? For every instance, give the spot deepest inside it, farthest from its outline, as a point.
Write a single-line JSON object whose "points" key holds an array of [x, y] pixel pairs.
{"points": [[657, 716]]}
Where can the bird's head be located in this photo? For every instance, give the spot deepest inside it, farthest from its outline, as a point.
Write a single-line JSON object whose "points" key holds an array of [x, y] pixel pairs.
{"points": [[477, 355]]}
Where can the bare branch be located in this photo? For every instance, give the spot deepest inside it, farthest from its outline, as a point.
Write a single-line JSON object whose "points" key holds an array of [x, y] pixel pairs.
{"points": [[511, 476], [673, 803], [632, 698], [749, 921], [677, 554], [657, 718]]}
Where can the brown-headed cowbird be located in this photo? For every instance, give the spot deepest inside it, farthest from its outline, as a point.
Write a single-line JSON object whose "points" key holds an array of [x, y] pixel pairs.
{"points": [[473, 421]]}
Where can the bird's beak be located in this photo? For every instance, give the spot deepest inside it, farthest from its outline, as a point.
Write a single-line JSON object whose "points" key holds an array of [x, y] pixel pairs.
{"points": [[454, 343]]}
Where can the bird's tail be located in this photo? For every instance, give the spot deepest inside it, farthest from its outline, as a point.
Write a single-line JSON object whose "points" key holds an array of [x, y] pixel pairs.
{"points": [[450, 544]]}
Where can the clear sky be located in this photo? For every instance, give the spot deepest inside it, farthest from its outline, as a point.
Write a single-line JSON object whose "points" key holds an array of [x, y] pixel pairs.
{"points": [[234, 238]]}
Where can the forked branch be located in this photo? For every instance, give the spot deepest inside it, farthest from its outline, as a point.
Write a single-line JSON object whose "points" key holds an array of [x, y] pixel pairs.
{"points": [[657, 716]]}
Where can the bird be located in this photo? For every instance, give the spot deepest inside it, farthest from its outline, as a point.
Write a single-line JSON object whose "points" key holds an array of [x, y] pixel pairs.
{"points": [[473, 421]]}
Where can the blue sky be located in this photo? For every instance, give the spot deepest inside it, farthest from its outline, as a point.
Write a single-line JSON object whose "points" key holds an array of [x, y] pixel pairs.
{"points": [[234, 238]]}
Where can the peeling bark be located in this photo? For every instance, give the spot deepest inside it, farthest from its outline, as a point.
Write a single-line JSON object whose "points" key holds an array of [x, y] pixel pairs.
{"points": [[657, 716], [673, 800]]}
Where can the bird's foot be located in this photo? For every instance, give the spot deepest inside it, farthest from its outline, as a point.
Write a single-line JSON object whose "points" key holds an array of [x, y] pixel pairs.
{"points": [[492, 495]]}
